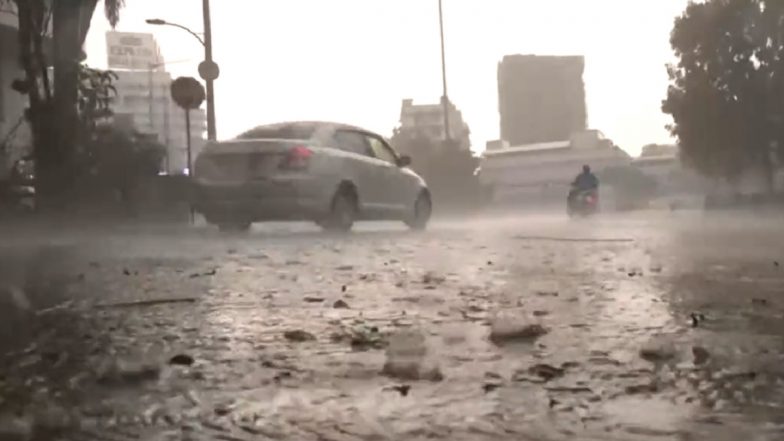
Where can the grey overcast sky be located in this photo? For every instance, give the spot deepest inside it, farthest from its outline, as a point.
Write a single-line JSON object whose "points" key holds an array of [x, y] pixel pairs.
{"points": [[355, 60]]}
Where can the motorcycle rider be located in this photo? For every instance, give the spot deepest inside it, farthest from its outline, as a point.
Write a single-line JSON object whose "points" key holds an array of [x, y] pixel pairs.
{"points": [[585, 181]]}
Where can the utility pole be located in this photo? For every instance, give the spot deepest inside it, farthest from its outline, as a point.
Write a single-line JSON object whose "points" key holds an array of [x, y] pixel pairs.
{"points": [[445, 97], [211, 131], [151, 96]]}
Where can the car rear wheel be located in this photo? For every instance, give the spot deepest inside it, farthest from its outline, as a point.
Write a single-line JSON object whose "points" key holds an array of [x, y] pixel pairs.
{"points": [[342, 214], [423, 208]]}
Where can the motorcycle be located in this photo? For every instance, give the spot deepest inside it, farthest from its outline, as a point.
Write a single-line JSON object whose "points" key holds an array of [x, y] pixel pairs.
{"points": [[582, 202]]}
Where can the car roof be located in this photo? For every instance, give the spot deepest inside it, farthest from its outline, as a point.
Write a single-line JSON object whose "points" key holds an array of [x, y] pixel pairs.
{"points": [[323, 125]]}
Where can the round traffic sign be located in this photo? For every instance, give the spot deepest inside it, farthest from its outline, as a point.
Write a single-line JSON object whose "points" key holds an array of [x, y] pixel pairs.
{"points": [[187, 92], [209, 70]]}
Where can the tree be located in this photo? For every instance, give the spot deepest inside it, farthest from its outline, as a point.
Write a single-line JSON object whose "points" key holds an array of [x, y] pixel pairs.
{"points": [[726, 91], [658, 150], [116, 159], [632, 187], [447, 168], [53, 105], [95, 94]]}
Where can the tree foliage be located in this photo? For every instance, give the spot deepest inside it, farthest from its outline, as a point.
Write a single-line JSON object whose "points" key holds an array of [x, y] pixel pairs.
{"points": [[630, 184], [96, 92], [117, 158], [726, 94], [447, 168]]}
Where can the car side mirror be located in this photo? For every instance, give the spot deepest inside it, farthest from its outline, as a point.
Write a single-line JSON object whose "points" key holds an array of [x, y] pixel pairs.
{"points": [[404, 161]]}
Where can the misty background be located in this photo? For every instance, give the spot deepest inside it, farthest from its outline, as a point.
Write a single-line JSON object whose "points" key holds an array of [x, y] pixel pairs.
{"points": [[309, 59]]}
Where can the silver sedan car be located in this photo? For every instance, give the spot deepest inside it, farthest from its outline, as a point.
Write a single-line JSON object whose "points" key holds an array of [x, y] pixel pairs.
{"points": [[332, 174]]}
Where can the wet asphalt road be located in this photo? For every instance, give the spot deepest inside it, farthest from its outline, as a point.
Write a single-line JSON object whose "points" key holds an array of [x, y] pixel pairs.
{"points": [[661, 326]]}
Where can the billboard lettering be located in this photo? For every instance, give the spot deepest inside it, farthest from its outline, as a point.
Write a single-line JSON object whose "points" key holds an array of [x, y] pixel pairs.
{"points": [[131, 50]]}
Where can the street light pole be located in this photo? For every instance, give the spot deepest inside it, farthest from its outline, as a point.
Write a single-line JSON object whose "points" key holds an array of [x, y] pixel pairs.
{"points": [[211, 130], [445, 97]]}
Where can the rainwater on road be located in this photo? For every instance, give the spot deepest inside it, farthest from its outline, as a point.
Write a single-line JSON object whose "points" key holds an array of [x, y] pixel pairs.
{"points": [[657, 326]]}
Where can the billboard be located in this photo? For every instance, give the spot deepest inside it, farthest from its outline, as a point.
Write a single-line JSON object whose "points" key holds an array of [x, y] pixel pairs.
{"points": [[130, 50]]}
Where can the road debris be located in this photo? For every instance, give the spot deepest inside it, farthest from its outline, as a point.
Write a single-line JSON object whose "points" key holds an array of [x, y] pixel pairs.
{"points": [[489, 387], [402, 389], [505, 331], [181, 360], [545, 371], [298, 335], [701, 355], [696, 319], [658, 350], [340, 304], [210, 272], [147, 302]]}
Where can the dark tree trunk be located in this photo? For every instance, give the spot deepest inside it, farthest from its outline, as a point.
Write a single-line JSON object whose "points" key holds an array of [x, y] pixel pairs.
{"points": [[39, 113], [52, 114], [58, 171]]}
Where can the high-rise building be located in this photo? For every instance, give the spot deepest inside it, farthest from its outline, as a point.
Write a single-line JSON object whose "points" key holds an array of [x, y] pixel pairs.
{"points": [[428, 120], [541, 98], [144, 97]]}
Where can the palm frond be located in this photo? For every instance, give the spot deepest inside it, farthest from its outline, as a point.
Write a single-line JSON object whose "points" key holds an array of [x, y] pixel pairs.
{"points": [[112, 10]]}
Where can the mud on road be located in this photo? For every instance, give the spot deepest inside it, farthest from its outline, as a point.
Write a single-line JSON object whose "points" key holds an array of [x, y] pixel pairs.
{"points": [[652, 327]]}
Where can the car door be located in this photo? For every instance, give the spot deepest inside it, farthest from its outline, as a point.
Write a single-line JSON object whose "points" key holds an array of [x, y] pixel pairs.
{"points": [[393, 178], [362, 167]]}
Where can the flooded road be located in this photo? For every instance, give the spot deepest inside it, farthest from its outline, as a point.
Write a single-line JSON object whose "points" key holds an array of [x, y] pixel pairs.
{"points": [[651, 327]]}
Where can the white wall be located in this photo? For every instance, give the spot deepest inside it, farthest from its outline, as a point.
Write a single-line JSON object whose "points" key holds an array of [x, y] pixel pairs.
{"points": [[12, 103]]}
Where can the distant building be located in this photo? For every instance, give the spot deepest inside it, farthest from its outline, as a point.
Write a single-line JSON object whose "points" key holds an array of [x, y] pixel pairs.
{"points": [[673, 180], [541, 98], [15, 138], [428, 119], [151, 111], [537, 175], [144, 98]]}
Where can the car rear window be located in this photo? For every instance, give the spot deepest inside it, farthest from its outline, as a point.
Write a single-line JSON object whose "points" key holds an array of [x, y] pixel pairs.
{"points": [[289, 131]]}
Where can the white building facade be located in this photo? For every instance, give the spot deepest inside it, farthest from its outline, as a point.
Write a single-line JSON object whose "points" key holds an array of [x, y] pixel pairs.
{"points": [[144, 98], [540, 174], [428, 119], [15, 137]]}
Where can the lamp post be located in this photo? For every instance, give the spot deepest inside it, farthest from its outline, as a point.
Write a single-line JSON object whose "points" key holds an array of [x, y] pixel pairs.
{"points": [[208, 69], [445, 97]]}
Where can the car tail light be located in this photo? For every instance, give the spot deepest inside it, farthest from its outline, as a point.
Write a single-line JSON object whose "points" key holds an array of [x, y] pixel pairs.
{"points": [[297, 158]]}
